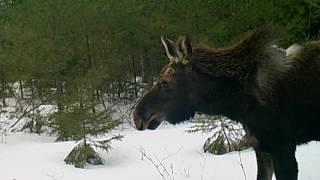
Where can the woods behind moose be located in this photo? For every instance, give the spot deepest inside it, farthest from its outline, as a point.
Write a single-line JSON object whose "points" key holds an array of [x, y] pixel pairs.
{"points": [[275, 96]]}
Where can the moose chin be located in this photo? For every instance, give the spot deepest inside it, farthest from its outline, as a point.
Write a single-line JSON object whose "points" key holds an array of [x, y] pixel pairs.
{"points": [[275, 95]]}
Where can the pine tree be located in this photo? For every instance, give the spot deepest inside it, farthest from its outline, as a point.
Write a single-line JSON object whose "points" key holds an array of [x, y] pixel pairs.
{"points": [[79, 122], [227, 135]]}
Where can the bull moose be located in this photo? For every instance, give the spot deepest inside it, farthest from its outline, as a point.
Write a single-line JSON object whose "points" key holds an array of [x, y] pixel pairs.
{"points": [[275, 96]]}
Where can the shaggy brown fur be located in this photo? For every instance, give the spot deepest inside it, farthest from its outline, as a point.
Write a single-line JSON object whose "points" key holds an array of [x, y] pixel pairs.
{"points": [[252, 56]]}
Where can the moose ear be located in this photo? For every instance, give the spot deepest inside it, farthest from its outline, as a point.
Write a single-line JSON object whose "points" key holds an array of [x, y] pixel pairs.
{"points": [[184, 48], [170, 48]]}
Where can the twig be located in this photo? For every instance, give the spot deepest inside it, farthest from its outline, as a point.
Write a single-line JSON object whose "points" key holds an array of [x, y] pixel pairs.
{"points": [[55, 177], [159, 165], [186, 172], [172, 174], [204, 165], [241, 164], [143, 153]]}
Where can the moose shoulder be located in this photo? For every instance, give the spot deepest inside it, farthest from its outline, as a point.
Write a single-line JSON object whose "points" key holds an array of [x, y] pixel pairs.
{"points": [[276, 96]]}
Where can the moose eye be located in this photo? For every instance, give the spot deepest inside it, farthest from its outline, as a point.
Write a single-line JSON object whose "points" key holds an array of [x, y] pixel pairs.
{"points": [[164, 83]]}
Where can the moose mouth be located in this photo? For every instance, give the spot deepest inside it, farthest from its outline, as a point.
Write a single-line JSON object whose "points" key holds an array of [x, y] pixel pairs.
{"points": [[151, 123], [154, 123]]}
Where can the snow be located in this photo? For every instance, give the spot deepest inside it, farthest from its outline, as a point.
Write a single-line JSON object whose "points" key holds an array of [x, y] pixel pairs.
{"points": [[33, 157]]}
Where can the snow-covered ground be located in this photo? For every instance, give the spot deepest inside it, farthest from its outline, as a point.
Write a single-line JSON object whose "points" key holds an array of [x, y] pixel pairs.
{"points": [[176, 155]]}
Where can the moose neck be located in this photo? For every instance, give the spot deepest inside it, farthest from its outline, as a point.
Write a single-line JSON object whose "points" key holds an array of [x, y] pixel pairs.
{"points": [[219, 96]]}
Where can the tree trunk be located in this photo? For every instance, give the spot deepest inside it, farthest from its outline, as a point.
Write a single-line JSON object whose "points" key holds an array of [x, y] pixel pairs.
{"points": [[59, 86], [21, 89], [135, 84], [3, 88], [143, 78]]}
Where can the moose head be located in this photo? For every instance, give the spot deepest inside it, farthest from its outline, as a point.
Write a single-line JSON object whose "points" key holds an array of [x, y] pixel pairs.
{"points": [[171, 96]]}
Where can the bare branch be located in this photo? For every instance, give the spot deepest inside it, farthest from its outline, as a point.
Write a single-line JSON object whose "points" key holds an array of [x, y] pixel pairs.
{"points": [[160, 165], [242, 167]]}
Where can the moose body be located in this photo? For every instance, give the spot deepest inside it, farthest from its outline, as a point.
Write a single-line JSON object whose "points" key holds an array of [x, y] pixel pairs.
{"points": [[275, 96]]}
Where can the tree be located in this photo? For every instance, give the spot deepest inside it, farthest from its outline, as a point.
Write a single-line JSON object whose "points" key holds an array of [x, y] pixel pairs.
{"points": [[227, 135], [81, 124]]}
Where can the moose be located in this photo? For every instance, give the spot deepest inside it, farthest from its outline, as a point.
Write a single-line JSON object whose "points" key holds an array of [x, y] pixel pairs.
{"points": [[275, 96]]}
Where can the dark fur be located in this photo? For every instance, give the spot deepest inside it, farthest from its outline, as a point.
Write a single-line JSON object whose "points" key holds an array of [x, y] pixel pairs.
{"points": [[276, 98]]}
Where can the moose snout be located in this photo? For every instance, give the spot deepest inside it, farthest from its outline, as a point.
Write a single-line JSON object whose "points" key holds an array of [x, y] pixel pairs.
{"points": [[146, 120], [138, 121]]}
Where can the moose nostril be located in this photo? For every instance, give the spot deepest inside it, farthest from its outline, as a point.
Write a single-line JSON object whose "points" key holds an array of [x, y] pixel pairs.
{"points": [[140, 128], [139, 124]]}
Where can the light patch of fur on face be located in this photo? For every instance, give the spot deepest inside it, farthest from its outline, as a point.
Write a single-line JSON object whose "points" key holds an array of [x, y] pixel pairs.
{"points": [[294, 50], [269, 71], [169, 71]]}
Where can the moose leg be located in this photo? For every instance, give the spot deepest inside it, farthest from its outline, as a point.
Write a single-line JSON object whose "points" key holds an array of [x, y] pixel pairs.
{"points": [[264, 159], [265, 165], [285, 164]]}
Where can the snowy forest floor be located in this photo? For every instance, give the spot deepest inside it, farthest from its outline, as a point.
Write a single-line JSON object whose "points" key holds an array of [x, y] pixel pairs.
{"points": [[165, 154]]}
